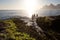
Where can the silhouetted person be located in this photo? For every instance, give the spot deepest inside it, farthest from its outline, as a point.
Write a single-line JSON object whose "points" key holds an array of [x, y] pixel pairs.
{"points": [[33, 17]]}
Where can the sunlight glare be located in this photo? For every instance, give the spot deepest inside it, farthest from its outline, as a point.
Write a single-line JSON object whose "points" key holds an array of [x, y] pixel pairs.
{"points": [[30, 6]]}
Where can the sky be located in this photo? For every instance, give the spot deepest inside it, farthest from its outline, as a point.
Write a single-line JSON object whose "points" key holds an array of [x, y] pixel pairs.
{"points": [[18, 4]]}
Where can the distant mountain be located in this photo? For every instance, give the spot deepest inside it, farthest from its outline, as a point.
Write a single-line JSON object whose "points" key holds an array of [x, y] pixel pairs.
{"points": [[51, 6]]}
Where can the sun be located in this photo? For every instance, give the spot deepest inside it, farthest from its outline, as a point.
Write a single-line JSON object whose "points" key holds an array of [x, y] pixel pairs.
{"points": [[30, 6]]}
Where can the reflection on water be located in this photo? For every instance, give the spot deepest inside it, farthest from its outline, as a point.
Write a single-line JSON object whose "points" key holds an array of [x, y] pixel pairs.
{"points": [[4, 13]]}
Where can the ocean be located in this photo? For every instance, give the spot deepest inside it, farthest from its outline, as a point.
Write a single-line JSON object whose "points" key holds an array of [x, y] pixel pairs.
{"points": [[8, 13]]}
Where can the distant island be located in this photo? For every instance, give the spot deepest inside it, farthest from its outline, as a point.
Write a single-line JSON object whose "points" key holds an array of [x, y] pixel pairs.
{"points": [[51, 6]]}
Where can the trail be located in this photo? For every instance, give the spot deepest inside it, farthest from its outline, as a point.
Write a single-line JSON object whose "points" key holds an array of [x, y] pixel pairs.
{"points": [[40, 31], [36, 27]]}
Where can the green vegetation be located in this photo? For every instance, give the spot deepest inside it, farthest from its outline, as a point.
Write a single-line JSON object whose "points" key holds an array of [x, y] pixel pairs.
{"points": [[50, 26], [44, 22], [9, 31], [21, 27], [16, 29]]}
